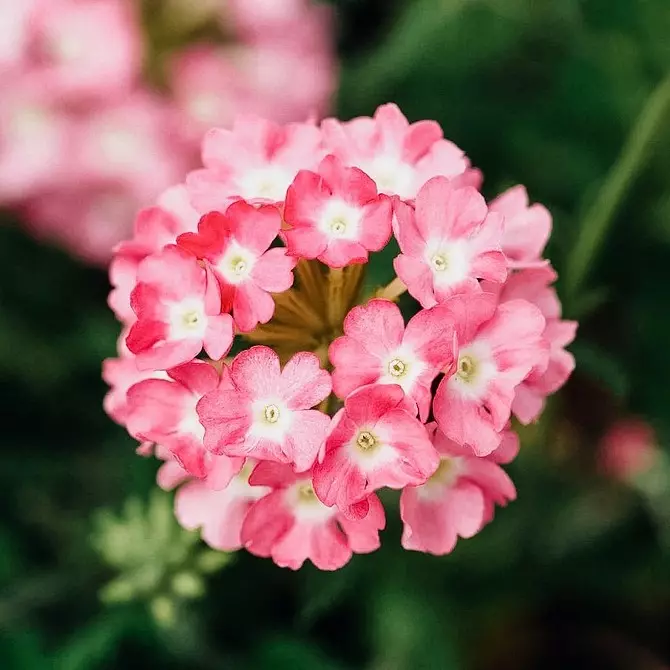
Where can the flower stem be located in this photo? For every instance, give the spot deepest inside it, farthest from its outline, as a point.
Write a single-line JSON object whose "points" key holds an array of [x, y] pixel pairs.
{"points": [[599, 216], [393, 290]]}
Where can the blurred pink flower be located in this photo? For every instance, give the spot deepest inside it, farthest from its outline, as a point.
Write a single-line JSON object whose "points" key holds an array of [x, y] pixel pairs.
{"points": [[628, 449]]}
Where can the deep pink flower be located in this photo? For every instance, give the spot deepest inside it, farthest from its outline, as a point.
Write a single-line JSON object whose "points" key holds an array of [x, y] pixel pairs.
{"points": [[66, 40], [498, 346], [256, 161], [628, 449], [448, 241], [534, 285], [170, 474], [164, 411], [219, 512], [154, 229], [527, 227], [374, 442], [399, 156], [377, 348], [177, 313], [266, 413], [457, 501], [121, 373], [336, 215], [236, 246], [292, 525]]}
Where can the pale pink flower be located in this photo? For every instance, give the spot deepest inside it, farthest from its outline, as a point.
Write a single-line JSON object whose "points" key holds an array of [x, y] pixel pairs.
{"points": [[66, 40], [164, 411], [377, 348], [206, 88], [628, 449], [399, 156], [256, 161], [236, 248], [266, 413], [448, 241], [374, 442], [498, 346], [292, 525], [17, 18], [177, 313], [534, 285], [131, 141], [35, 137], [527, 227], [218, 512], [335, 215], [457, 501]]}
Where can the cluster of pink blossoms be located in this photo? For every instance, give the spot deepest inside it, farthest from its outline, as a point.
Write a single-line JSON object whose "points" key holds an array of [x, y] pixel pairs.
{"points": [[87, 139], [285, 455]]}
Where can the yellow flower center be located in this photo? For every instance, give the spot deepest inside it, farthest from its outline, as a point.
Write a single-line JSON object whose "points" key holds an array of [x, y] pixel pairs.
{"points": [[239, 265], [467, 368], [191, 319], [306, 493], [366, 440], [439, 262], [338, 226], [445, 472], [271, 413], [397, 368]]}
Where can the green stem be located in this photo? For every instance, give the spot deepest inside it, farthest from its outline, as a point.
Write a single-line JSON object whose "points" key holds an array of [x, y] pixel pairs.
{"points": [[599, 216]]}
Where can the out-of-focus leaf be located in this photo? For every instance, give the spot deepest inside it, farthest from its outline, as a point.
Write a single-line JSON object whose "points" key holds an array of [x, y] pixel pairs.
{"points": [[291, 654], [602, 366]]}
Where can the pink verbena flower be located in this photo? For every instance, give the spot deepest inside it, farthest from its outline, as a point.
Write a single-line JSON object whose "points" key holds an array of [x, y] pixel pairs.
{"points": [[17, 18], [120, 374], [498, 346], [374, 442], [256, 161], [34, 138], [377, 348], [457, 500], [266, 412], [292, 525], [164, 411], [628, 449], [534, 285], [527, 227], [448, 241], [66, 40], [399, 156], [205, 86], [220, 513], [154, 229], [177, 313], [335, 215], [236, 248]]}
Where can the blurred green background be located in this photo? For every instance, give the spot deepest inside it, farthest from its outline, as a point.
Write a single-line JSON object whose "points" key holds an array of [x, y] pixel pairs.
{"points": [[570, 98]]}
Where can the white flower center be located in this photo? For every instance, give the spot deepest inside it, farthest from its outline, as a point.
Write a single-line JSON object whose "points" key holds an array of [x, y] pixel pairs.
{"points": [[187, 319], [474, 370], [449, 261], [392, 176], [267, 183], [236, 264], [446, 475], [272, 420], [340, 220], [305, 505]]}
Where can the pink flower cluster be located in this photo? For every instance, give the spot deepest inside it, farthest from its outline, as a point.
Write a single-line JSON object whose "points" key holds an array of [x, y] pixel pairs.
{"points": [[86, 139], [287, 460]]}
